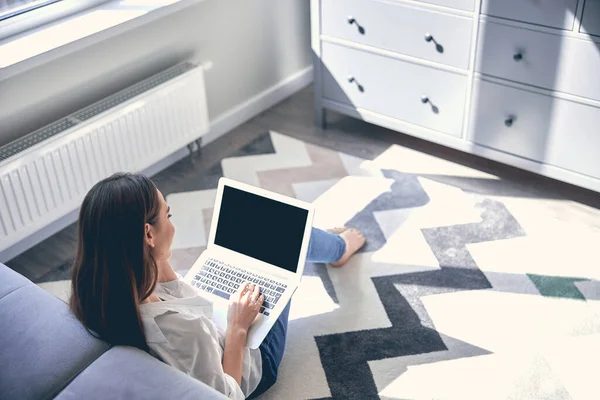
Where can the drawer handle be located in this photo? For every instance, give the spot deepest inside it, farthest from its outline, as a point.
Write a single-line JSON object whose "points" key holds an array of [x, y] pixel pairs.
{"points": [[352, 20], [510, 121], [425, 100], [518, 57], [352, 79], [429, 38]]}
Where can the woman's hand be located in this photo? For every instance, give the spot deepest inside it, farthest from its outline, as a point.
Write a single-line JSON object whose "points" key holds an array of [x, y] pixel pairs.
{"points": [[244, 307]]}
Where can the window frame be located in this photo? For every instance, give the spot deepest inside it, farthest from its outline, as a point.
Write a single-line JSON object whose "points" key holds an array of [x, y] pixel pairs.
{"points": [[42, 15]]}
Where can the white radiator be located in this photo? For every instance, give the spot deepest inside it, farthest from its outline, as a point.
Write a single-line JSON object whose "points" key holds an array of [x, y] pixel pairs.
{"points": [[46, 174]]}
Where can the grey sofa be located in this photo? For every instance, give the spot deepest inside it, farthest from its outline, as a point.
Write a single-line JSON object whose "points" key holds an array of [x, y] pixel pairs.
{"points": [[46, 353]]}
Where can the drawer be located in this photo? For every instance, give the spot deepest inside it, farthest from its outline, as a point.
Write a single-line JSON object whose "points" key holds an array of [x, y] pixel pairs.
{"points": [[542, 128], [467, 5], [554, 62], [590, 23], [553, 13], [399, 28], [417, 94]]}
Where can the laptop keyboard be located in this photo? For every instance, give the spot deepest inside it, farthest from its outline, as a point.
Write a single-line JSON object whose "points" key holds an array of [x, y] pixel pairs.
{"points": [[222, 279]]}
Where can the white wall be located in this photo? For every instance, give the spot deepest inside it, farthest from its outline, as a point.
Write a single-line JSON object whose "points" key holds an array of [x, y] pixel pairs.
{"points": [[253, 45]]}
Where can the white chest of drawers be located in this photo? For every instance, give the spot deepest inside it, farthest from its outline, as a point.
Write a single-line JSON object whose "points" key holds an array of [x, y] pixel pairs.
{"points": [[370, 22], [516, 81], [420, 95]]}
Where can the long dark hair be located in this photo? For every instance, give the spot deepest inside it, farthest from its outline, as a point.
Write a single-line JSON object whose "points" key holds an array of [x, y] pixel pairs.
{"points": [[113, 269]]}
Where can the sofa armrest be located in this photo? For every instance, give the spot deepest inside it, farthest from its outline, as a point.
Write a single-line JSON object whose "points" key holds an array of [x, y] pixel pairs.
{"points": [[42, 345], [129, 373]]}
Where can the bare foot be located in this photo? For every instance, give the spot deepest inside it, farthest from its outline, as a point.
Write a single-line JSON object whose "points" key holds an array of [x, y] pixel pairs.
{"points": [[337, 230], [354, 241]]}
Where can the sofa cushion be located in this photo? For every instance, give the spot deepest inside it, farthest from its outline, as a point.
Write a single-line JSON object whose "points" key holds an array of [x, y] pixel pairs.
{"points": [[10, 280], [42, 345], [129, 373]]}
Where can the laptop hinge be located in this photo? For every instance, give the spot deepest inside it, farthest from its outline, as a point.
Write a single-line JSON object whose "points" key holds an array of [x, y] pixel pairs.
{"points": [[242, 261]]}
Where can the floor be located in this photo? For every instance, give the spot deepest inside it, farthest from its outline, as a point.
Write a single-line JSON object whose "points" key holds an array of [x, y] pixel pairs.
{"points": [[48, 261], [478, 280]]}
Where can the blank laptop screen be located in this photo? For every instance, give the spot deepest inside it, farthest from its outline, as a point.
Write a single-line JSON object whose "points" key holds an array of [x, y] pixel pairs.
{"points": [[261, 228]]}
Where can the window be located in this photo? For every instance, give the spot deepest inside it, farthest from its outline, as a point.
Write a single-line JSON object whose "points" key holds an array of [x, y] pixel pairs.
{"points": [[11, 8], [17, 16]]}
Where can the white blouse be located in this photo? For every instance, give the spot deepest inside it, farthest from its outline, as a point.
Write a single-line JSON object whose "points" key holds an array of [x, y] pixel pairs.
{"points": [[180, 331]]}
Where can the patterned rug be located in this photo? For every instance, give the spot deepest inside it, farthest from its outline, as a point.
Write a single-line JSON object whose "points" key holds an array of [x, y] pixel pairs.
{"points": [[455, 296]]}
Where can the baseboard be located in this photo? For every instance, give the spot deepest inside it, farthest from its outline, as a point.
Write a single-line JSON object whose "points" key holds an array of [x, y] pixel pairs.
{"points": [[220, 126], [257, 104]]}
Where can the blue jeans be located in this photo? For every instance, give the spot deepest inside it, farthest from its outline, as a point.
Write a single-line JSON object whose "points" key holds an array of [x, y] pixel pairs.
{"points": [[324, 247]]}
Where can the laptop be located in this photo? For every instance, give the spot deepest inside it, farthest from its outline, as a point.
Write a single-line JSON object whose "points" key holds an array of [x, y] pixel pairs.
{"points": [[256, 236]]}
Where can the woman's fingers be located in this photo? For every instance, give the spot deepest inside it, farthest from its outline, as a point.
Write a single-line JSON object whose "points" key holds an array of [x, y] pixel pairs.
{"points": [[255, 294], [248, 291], [251, 294], [242, 289]]}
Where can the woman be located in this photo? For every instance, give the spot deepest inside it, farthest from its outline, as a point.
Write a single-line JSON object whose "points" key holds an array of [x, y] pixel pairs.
{"points": [[126, 292]]}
